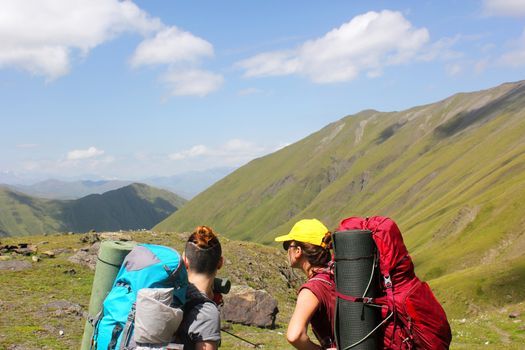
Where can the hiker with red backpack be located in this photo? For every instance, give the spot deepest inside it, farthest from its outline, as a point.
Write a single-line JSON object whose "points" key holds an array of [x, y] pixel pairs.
{"points": [[365, 296], [200, 328], [308, 249]]}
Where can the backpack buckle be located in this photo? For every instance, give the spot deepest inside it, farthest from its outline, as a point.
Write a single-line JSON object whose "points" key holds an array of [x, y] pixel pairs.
{"points": [[388, 281]]}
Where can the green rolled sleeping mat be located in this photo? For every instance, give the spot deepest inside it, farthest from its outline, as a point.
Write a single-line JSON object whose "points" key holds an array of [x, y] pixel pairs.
{"points": [[356, 276], [110, 257]]}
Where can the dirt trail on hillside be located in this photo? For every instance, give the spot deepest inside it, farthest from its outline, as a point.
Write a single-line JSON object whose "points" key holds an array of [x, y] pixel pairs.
{"points": [[504, 336]]}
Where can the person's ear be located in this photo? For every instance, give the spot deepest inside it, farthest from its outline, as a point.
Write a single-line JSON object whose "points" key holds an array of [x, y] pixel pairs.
{"points": [[298, 251], [221, 262], [185, 261]]}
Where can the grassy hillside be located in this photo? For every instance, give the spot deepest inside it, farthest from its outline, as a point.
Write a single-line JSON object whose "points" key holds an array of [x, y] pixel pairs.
{"points": [[450, 173], [136, 206], [21, 214]]}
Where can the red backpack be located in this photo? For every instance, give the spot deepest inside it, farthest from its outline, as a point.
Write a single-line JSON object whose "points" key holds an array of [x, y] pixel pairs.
{"points": [[412, 317]]}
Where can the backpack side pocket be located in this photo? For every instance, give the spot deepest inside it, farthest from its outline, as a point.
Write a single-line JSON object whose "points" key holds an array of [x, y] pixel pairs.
{"points": [[155, 320]]}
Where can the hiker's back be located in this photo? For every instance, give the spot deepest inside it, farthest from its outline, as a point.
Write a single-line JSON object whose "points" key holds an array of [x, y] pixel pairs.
{"points": [[201, 320], [412, 317]]}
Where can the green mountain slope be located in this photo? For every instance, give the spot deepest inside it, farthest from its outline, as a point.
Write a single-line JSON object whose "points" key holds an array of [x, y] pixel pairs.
{"points": [[450, 173], [21, 214], [133, 207]]}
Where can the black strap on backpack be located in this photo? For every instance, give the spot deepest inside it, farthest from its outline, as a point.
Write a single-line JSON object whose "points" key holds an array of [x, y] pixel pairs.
{"points": [[114, 336]]}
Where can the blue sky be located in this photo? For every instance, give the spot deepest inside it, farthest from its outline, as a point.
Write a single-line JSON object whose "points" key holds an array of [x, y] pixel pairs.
{"points": [[128, 90]]}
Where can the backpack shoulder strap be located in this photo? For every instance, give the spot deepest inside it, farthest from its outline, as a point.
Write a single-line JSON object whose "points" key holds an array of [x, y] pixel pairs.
{"points": [[191, 303]]}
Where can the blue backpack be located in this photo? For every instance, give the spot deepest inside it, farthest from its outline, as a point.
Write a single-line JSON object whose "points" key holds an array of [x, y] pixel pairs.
{"points": [[147, 267]]}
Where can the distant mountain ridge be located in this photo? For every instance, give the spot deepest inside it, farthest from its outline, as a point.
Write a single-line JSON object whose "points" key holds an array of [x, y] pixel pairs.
{"points": [[136, 206], [189, 184], [58, 189], [451, 173], [186, 184]]}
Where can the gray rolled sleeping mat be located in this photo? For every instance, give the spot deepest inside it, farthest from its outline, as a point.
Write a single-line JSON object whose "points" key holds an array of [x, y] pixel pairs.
{"points": [[155, 320], [356, 275]]}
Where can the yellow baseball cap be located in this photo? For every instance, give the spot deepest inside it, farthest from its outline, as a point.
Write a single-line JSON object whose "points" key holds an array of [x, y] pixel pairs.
{"points": [[307, 230]]}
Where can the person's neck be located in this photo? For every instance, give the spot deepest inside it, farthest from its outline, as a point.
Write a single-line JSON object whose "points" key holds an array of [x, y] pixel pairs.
{"points": [[307, 269], [203, 283]]}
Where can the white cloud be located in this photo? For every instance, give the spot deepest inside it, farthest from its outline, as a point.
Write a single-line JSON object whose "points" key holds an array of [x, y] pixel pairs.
{"points": [[169, 46], [442, 49], [181, 52], [232, 153], [510, 8], [239, 146], [367, 43], [142, 164], [271, 63], [40, 36], [77, 162], [44, 36], [515, 57], [195, 151], [78, 154], [191, 82]]}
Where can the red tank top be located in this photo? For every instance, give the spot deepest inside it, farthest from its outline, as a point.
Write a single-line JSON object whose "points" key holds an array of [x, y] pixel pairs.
{"points": [[322, 285]]}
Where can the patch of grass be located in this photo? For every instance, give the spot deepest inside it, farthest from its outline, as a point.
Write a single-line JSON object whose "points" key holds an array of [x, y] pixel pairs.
{"points": [[25, 294], [490, 330]]}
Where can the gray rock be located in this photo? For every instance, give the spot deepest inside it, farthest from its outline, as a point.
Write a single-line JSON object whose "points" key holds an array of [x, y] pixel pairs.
{"points": [[63, 308], [115, 236], [49, 254], [248, 306], [15, 265], [22, 347], [86, 256], [94, 248], [90, 237]]}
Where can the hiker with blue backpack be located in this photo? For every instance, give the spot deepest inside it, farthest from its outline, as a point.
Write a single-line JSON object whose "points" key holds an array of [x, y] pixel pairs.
{"points": [[308, 248], [162, 300], [200, 328], [143, 308]]}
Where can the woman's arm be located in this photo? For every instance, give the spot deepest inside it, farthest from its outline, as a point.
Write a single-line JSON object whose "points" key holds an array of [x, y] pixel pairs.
{"points": [[307, 304], [206, 345]]}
